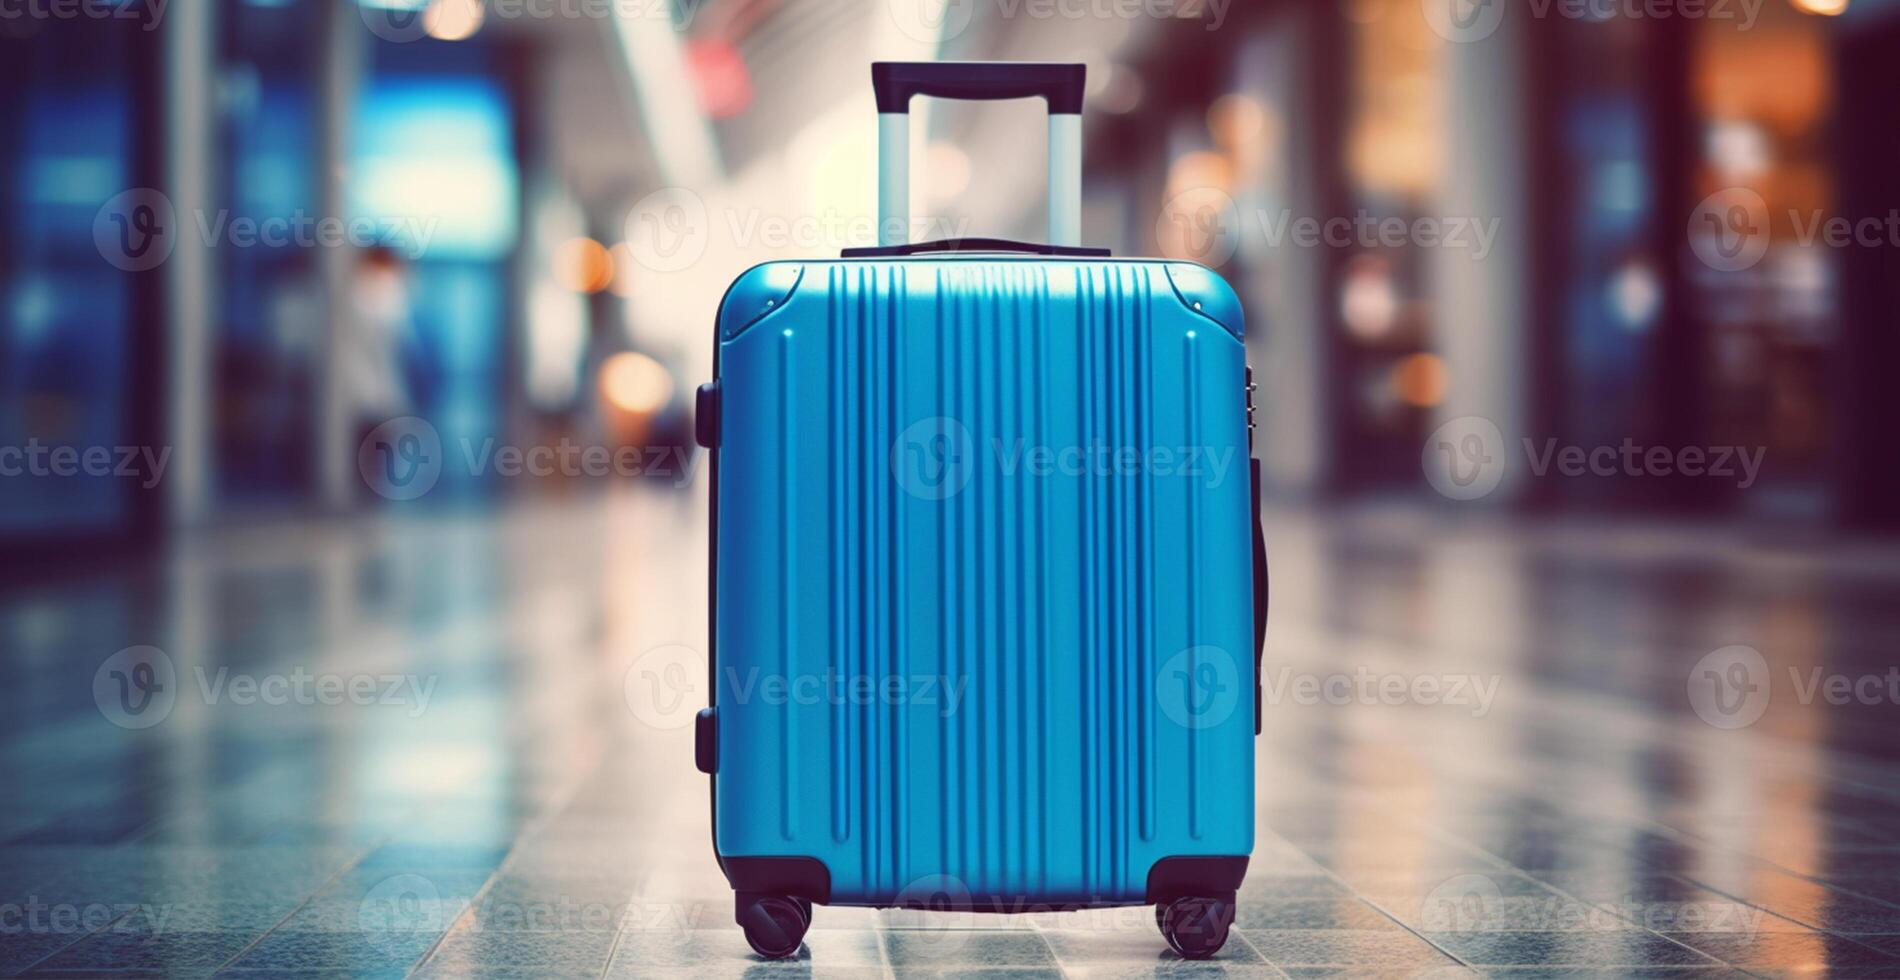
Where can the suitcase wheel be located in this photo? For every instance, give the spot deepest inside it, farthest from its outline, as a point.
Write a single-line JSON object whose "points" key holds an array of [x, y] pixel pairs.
{"points": [[1196, 928], [774, 924]]}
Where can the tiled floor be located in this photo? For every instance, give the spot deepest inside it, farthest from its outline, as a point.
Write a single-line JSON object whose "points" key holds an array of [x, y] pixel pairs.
{"points": [[1503, 772]]}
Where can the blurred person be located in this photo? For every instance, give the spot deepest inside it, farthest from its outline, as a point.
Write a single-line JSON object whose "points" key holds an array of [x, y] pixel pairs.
{"points": [[376, 329]]}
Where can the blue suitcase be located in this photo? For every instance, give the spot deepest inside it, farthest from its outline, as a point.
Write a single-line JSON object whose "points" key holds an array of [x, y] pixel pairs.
{"points": [[988, 585]]}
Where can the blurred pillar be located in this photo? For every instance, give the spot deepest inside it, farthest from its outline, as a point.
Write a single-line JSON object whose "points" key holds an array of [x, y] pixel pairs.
{"points": [[190, 56], [339, 66], [1676, 374], [1307, 63], [653, 59], [1866, 467], [1484, 306], [533, 139]]}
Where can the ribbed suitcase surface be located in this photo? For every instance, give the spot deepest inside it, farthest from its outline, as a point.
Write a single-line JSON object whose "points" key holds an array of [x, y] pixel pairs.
{"points": [[983, 595]]}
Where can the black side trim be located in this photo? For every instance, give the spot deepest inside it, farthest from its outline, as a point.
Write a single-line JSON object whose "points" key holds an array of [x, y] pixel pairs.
{"points": [[973, 245], [799, 877], [706, 740], [1195, 877], [1060, 83], [1259, 599], [706, 415]]}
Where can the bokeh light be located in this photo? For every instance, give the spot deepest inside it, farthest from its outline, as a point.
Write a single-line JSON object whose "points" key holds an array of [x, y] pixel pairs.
{"points": [[583, 265], [453, 20], [635, 383], [1419, 380]]}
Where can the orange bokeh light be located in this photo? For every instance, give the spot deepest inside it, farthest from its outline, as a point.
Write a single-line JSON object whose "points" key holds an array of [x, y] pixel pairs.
{"points": [[583, 265]]}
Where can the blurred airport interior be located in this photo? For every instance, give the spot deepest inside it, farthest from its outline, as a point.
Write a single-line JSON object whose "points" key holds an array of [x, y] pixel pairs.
{"points": [[1592, 226], [362, 336]]}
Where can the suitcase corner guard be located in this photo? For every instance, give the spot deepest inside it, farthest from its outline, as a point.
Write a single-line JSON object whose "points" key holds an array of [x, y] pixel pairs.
{"points": [[799, 877], [1173, 878]]}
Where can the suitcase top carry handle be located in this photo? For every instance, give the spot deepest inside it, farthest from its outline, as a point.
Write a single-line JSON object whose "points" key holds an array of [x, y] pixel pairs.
{"points": [[897, 81], [1058, 84]]}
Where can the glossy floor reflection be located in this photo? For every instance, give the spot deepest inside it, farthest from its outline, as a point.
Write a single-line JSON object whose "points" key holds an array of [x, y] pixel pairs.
{"points": [[407, 746]]}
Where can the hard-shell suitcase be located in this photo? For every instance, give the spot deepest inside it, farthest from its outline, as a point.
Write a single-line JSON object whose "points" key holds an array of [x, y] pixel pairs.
{"points": [[988, 582]]}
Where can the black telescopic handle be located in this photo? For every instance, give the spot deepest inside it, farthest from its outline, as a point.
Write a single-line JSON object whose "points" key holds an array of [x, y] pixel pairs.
{"points": [[1061, 84]]}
